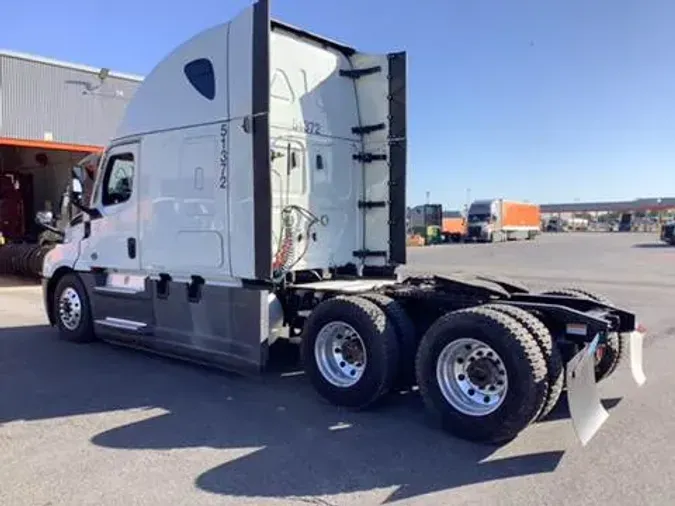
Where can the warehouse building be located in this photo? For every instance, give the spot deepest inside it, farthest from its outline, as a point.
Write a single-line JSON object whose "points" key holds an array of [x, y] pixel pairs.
{"points": [[52, 114]]}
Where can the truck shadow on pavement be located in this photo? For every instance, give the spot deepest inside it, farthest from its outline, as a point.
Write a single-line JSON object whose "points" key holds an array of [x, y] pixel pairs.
{"points": [[299, 445]]}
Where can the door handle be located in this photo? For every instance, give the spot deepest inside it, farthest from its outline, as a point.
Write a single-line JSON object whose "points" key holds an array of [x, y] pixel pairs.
{"points": [[131, 247]]}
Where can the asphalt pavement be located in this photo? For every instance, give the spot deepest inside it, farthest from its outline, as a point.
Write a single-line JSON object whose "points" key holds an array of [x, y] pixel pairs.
{"points": [[97, 424]]}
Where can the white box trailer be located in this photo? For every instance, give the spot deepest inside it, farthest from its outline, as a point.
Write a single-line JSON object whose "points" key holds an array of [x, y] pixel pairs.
{"points": [[255, 191]]}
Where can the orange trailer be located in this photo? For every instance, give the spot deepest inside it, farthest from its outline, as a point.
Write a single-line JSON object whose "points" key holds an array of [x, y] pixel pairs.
{"points": [[454, 226], [520, 215], [519, 220]]}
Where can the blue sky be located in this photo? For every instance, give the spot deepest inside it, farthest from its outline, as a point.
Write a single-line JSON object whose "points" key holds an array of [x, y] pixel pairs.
{"points": [[548, 101]]}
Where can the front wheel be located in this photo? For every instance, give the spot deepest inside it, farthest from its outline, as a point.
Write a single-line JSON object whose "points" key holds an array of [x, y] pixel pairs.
{"points": [[72, 310], [481, 374]]}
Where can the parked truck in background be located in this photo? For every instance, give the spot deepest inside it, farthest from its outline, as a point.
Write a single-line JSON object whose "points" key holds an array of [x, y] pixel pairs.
{"points": [[667, 232], [434, 224], [577, 224], [426, 221], [626, 222], [555, 224], [454, 226], [497, 220], [255, 194]]}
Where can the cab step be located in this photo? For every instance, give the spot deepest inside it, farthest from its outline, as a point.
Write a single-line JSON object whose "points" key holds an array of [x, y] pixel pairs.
{"points": [[125, 325]]}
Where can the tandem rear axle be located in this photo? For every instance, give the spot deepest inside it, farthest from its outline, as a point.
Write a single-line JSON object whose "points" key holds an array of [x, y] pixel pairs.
{"points": [[489, 357]]}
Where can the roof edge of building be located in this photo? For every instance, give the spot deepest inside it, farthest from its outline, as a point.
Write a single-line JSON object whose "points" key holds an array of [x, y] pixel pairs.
{"points": [[59, 63]]}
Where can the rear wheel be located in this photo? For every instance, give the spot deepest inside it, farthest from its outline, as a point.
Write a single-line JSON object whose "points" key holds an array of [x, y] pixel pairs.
{"points": [[554, 364], [481, 374], [611, 355], [72, 310], [350, 352], [405, 333]]}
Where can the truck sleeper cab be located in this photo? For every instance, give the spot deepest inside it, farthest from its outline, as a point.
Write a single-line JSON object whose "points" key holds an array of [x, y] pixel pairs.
{"points": [[255, 191]]}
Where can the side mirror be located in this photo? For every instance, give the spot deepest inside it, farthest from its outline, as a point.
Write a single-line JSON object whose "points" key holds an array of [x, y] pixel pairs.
{"points": [[75, 192], [77, 173]]}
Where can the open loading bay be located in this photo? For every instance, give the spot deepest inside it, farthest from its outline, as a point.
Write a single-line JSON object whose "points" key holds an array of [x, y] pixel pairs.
{"points": [[32, 180]]}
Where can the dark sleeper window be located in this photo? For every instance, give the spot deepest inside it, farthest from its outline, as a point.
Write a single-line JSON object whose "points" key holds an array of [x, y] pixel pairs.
{"points": [[202, 77], [118, 181]]}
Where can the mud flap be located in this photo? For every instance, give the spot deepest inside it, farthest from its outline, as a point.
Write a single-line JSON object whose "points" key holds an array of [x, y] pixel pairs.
{"points": [[635, 345], [583, 398]]}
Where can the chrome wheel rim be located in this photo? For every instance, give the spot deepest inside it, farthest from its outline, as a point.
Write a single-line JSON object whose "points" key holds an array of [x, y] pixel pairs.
{"points": [[340, 354], [70, 308], [472, 377]]}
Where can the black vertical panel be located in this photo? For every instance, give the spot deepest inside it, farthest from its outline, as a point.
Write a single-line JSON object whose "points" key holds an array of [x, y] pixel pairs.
{"points": [[262, 190], [397, 156]]}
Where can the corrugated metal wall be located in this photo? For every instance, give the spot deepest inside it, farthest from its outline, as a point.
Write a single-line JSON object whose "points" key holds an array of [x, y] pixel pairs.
{"points": [[45, 102]]}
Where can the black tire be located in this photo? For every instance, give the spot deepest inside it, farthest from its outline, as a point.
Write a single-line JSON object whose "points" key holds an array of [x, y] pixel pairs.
{"points": [[83, 332], [406, 336], [521, 356], [615, 348], [576, 292], [379, 339], [554, 363]]}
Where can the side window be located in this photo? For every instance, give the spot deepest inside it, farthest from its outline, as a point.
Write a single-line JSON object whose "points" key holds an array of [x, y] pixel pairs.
{"points": [[118, 180], [201, 76]]}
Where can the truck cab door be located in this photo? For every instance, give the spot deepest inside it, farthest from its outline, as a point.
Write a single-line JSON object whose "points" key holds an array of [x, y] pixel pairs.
{"points": [[110, 238]]}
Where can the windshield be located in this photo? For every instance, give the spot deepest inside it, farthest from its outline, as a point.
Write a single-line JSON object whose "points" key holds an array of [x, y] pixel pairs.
{"points": [[474, 218]]}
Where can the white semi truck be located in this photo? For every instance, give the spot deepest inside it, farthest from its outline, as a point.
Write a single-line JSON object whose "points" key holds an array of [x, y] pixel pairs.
{"points": [[255, 192]]}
